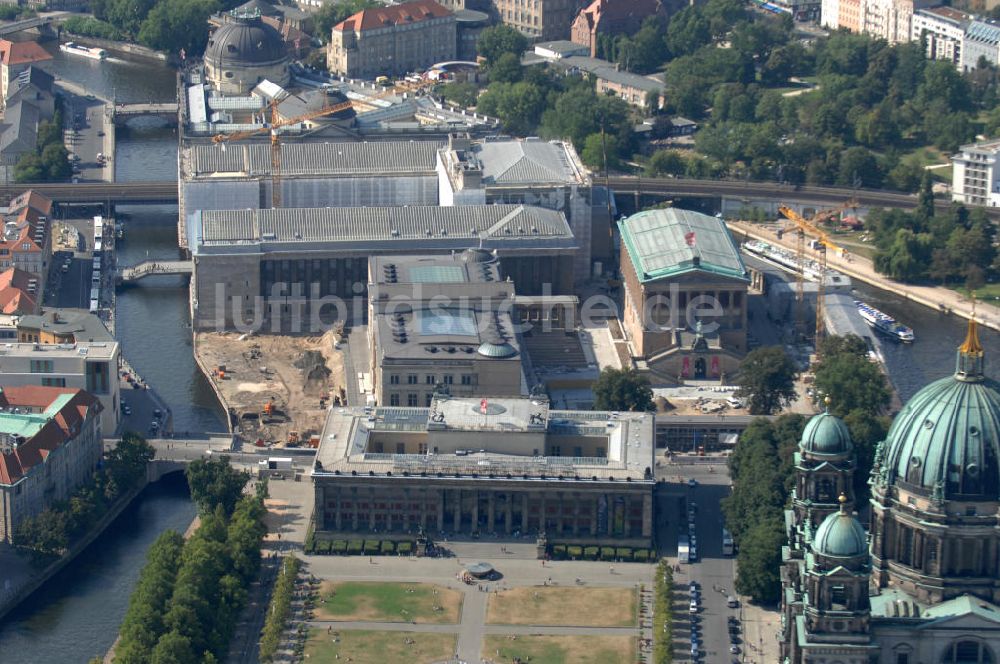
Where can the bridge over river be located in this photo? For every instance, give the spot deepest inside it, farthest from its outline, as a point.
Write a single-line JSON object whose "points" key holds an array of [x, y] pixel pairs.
{"points": [[130, 275]]}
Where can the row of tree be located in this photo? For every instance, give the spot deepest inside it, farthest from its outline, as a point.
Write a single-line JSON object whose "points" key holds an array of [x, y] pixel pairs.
{"points": [[762, 473], [663, 614], [50, 160], [164, 25], [190, 594], [62, 523], [956, 247], [280, 608], [538, 101]]}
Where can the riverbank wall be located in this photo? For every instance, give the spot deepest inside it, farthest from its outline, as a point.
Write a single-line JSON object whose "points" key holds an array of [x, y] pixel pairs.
{"points": [[932, 297], [124, 48], [36, 581], [206, 372]]}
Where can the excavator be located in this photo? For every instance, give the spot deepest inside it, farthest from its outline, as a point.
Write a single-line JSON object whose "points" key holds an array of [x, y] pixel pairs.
{"points": [[277, 123]]}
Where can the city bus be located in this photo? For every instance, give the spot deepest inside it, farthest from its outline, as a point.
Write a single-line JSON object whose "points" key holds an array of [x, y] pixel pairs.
{"points": [[683, 550], [727, 543]]}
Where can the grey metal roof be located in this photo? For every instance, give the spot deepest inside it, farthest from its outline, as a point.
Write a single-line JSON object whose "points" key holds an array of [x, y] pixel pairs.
{"points": [[467, 224], [526, 162], [20, 128], [314, 159], [607, 71]]}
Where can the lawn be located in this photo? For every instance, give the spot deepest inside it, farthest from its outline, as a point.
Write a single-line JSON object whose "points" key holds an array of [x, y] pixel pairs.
{"points": [[388, 602], [561, 649], [988, 293], [573, 607], [369, 647]]}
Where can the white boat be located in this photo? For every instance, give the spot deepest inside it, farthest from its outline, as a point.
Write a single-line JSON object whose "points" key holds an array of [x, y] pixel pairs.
{"points": [[79, 49], [884, 323], [811, 270]]}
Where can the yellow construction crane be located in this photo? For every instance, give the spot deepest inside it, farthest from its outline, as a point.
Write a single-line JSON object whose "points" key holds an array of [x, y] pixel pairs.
{"points": [[805, 227], [277, 123]]}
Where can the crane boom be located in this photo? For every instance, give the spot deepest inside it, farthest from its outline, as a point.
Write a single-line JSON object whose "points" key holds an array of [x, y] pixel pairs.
{"points": [[804, 228]]}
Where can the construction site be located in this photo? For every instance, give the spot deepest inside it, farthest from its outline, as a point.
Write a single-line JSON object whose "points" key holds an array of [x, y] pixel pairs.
{"points": [[276, 389]]}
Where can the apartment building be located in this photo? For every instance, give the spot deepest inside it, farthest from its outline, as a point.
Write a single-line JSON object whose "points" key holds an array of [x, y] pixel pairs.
{"points": [[65, 348], [392, 40], [25, 243], [982, 40], [539, 19], [50, 444], [975, 176], [891, 20], [943, 30], [15, 57]]}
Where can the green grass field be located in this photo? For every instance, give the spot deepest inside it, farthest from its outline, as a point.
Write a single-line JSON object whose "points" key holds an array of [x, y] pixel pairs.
{"points": [[388, 602], [369, 647]]}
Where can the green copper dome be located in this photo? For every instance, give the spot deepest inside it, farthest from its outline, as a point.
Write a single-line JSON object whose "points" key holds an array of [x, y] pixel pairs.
{"points": [[947, 439], [826, 435], [840, 536]]}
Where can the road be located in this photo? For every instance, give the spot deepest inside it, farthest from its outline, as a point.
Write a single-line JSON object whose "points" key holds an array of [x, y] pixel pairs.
{"points": [[714, 572], [85, 134]]}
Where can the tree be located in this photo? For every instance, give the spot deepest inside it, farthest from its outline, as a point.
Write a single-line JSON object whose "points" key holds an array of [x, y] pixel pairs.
{"points": [[506, 69], [173, 25], [850, 381], [499, 39], [622, 389], [666, 162], [766, 380], [758, 564], [600, 152], [463, 94], [214, 483], [173, 648], [519, 105], [29, 168]]}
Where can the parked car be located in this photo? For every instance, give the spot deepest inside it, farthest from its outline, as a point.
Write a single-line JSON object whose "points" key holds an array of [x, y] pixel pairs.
{"points": [[692, 482]]}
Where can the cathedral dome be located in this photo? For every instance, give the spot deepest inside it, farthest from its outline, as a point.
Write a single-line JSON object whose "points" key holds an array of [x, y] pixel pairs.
{"points": [[840, 535], [946, 440], [826, 435], [245, 41]]}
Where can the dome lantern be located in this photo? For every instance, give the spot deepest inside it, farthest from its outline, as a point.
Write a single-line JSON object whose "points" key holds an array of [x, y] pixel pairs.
{"points": [[969, 362]]}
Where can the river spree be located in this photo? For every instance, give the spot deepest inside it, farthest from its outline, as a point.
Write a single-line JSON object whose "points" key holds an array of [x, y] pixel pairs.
{"points": [[76, 615]]}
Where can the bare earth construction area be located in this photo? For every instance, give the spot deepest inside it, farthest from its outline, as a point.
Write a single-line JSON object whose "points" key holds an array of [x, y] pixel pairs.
{"points": [[277, 386]]}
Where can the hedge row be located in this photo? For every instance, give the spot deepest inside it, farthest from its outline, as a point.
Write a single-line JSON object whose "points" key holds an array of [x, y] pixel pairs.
{"points": [[663, 615], [621, 554], [281, 605], [323, 547]]}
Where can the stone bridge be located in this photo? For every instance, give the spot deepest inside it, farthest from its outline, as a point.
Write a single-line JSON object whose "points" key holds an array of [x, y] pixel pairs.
{"points": [[122, 113], [130, 275]]}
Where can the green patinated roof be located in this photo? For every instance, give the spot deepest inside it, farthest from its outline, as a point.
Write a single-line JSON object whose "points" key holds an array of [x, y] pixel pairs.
{"points": [[22, 424], [826, 435], [840, 536], [947, 440], [657, 246]]}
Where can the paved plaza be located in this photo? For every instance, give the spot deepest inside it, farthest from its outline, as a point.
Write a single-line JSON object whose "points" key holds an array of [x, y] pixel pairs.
{"points": [[291, 504]]}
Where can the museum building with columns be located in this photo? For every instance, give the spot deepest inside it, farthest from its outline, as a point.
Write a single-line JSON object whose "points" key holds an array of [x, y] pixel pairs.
{"points": [[494, 466]]}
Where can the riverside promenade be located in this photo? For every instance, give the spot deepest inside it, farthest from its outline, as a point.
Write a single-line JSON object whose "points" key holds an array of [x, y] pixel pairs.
{"points": [[861, 268]]}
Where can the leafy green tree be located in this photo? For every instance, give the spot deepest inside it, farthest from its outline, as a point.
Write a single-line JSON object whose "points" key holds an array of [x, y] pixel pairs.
{"points": [[519, 106], [173, 25], [767, 380], [850, 380], [332, 13], [463, 94], [867, 430], [214, 483], [143, 622], [758, 563], [506, 69], [622, 389], [666, 162], [29, 168], [499, 39], [173, 648], [600, 152], [55, 161]]}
